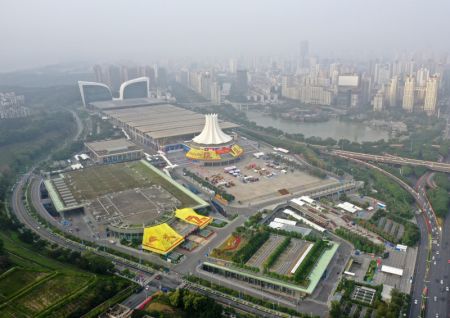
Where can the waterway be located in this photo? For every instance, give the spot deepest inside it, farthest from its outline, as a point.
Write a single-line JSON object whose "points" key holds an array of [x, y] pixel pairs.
{"points": [[334, 128]]}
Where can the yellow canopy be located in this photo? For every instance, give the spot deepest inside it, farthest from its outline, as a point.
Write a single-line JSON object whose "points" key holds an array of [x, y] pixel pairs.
{"points": [[161, 239], [190, 216]]}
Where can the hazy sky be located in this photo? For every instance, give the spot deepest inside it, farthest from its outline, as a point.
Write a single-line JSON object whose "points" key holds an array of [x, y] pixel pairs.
{"points": [[38, 32]]}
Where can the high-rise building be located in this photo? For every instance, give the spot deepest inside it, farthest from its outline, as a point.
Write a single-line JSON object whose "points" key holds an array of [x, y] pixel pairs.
{"points": [[408, 93], [98, 74], [422, 76], [431, 93], [304, 54], [382, 73], [242, 82], [393, 92], [378, 101], [162, 79], [232, 66], [150, 73], [216, 93], [114, 78]]}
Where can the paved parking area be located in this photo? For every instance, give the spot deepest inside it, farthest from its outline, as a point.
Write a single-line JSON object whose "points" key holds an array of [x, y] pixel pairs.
{"points": [[258, 259], [290, 256]]}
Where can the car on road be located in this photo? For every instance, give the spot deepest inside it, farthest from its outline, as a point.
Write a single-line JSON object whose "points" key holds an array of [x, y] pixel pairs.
{"points": [[442, 282], [415, 301], [446, 288], [435, 298], [158, 277]]}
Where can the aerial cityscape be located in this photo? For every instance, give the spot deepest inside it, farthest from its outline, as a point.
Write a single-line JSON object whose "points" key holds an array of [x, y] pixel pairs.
{"points": [[229, 159]]}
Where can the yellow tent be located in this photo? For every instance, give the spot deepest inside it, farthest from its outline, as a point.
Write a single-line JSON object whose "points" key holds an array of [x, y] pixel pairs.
{"points": [[190, 216], [161, 239]]}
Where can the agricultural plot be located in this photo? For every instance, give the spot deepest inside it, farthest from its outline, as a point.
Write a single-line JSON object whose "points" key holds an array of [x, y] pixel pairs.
{"points": [[16, 279], [41, 286], [47, 294]]}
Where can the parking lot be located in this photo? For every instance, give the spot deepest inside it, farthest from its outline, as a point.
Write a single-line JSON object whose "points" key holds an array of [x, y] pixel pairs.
{"points": [[271, 181]]}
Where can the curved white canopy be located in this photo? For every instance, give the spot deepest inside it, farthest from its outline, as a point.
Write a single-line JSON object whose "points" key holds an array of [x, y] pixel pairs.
{"points": [[212, 134]]}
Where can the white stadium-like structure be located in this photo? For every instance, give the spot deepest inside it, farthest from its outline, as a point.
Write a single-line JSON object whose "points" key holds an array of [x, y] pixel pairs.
{"points": [[212, 146], [212, 134], [98, 92], [94, 92], [135, 88]]}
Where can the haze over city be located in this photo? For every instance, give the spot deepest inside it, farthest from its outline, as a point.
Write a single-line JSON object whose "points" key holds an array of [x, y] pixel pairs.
{"points": [[36, 33], [235, 159]]}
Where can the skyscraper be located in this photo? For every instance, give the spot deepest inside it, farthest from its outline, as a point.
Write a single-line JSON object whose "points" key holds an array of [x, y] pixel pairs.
{"points": [[114, 78], [422, 76], [408, 93], [98, 74], [304, 54], [431, 95], [378, 101], [242, 82], [393, 91]]}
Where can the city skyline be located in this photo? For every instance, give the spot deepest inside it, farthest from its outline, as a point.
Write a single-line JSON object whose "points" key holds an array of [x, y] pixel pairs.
{"points": [[142, 31]]}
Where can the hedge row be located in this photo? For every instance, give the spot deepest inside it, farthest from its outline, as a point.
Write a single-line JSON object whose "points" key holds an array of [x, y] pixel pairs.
{"points": [[254, 243], [310, 260]]}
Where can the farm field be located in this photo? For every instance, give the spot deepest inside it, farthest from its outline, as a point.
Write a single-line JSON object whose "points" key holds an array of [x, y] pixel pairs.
{"points": [[38, 286], [16, 278]]}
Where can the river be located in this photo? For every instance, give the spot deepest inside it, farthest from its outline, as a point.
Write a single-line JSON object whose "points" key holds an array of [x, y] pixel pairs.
{"points": [[334, 128]]}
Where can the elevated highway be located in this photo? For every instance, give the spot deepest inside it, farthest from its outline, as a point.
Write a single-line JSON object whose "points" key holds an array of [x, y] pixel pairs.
{"points": [[432, 165]]}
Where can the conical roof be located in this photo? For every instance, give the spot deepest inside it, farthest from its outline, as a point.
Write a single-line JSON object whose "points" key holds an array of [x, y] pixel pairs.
{"points": [[212, 134]]}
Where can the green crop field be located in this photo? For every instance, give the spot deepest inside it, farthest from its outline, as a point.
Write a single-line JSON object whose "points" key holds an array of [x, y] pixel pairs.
{"points": [[39, 286], [15, 279]]}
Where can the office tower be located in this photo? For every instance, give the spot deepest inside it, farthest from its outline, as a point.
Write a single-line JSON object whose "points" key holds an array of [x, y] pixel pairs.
{"points": [[393, 91], [378, 101], [408, 94], [99, 78], [304, 54], [431, 95]]}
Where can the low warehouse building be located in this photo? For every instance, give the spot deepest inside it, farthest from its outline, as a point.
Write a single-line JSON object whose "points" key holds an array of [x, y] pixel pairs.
{"points": [[112, 151]]}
